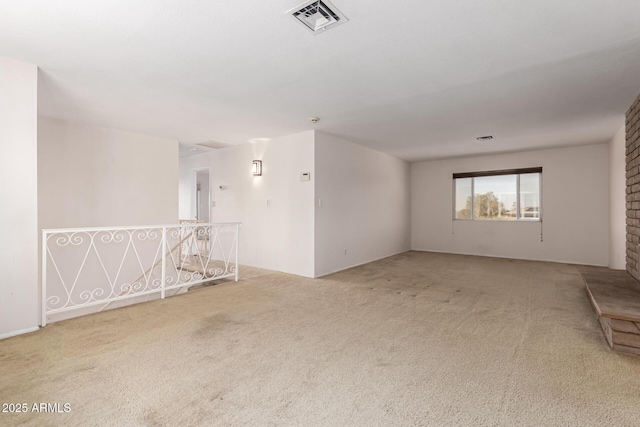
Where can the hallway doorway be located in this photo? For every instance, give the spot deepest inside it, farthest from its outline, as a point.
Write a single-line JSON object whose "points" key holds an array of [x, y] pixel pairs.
{"points": [[202, 199]]}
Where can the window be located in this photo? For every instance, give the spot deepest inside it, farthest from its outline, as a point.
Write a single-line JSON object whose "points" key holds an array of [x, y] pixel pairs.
{"points": [[508, 195]]}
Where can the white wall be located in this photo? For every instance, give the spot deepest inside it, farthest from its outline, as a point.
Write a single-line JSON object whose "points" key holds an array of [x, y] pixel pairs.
{"points": [[186, 192], [19, 302], [91, 176], [365, 205], [96, 177], [276, 209], [575, 206], [617, 200]]}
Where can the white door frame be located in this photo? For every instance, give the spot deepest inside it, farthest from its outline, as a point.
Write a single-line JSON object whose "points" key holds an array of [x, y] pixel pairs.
{"points": [[194, 192]]}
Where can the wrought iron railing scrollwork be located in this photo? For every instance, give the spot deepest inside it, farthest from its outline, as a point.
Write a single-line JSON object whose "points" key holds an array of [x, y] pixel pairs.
{"points": [[87, 267]]}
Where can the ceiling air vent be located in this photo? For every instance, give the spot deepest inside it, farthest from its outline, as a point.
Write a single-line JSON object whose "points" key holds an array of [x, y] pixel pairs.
{"points": [[318, 15], [213, 144], [484, 138]]}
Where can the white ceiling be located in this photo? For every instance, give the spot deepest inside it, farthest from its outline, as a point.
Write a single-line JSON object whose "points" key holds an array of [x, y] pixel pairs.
{"points": [[417, 79]]}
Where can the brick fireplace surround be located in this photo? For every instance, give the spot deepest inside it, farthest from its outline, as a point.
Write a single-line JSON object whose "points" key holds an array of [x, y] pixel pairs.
{"points": [[615, 295], [633, 188]]}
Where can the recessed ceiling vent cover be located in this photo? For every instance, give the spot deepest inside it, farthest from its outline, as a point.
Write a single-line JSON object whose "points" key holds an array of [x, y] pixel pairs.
{"points": [[485, 138], [213, 144], [318, 15]]}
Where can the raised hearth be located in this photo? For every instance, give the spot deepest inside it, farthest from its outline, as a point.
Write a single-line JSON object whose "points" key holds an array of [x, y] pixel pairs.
{"points": [[615, 297]]}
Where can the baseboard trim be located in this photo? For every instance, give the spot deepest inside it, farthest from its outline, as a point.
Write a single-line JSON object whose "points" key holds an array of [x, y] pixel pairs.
{"points": [[508, 257], [19, 332], [361, 263]]}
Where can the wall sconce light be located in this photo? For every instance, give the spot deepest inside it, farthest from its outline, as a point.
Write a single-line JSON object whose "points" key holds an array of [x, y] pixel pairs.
{"points": [[257, 168]]}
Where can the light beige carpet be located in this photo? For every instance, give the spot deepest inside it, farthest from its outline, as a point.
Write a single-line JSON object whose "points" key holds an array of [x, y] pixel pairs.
{"points": [[416, 339]]}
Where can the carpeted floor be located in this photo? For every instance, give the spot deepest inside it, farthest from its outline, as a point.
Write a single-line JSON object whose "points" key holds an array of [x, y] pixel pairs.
{"points": [[416, 339]]}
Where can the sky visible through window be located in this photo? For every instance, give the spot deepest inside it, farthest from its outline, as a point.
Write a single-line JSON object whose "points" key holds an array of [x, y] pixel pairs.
{"points": [[502, 186]]}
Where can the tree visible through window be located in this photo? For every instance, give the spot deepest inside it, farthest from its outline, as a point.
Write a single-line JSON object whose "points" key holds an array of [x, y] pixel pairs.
{"points": [[498, 195]]}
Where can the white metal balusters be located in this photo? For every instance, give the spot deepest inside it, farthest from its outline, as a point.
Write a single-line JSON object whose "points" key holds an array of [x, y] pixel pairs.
{"points": [[96, 267]]}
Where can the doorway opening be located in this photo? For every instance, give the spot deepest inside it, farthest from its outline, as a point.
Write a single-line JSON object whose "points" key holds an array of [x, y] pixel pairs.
{"points": [[203, 195]]}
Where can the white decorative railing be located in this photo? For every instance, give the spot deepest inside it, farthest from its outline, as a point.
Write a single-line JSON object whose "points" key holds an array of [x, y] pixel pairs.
{"points": [[95, 267]]}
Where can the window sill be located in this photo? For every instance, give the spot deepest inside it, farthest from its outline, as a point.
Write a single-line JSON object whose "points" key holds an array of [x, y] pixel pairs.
{"points": [[500, 220]]}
